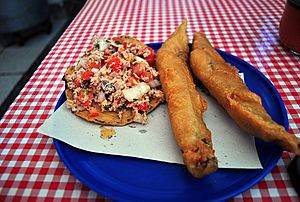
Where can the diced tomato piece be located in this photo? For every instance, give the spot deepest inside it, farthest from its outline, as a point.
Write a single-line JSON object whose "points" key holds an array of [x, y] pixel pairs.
{"points": [[81, 94], [77, 83], [87, 103], [94, 61], [128, 45], [85, 98], [151, 58], [94, 64], [116, 39], [105, 57], [139, 69], [119, 101], [132, 45], [86, 76], [115, 64], [143, 106], [116, 68], [147, 77], [93, 112], [125, 44], [132, 81], [90, 95]]}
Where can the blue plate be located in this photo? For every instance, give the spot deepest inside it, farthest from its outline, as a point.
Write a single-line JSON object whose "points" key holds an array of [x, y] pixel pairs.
{"points": [[126, 178]]}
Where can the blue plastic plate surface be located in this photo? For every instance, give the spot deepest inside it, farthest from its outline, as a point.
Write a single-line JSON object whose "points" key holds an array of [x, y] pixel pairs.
{"points": [[126, 178]]}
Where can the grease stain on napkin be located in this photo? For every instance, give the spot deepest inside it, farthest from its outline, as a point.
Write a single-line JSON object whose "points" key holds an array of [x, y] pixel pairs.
{"points": [[107, 133]]}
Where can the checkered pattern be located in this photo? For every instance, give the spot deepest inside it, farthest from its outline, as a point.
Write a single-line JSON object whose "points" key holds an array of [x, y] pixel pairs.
{"points": [[30, 168]]}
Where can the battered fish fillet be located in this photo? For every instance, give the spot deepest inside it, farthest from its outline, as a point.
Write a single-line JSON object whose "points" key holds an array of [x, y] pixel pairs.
{"points": [[185, 105], [245, 107]]}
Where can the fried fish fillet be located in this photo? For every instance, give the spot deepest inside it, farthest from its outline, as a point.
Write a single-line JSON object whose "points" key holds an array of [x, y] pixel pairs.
{"points": [[245, 107], [185, 105]]}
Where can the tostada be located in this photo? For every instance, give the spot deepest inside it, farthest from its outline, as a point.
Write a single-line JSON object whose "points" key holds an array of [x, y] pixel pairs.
{"points": [[114, 83]]}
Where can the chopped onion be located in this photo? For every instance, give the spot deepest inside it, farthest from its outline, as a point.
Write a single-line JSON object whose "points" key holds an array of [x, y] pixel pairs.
{"points": [[139, 59], [154, 83], [82, 62], [136, 92], [138, 118], [100, 43], [95, 70]]}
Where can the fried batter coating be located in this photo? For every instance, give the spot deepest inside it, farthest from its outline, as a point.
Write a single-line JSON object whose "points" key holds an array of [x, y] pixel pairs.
{"points": [[245, 107], [185, 105]]}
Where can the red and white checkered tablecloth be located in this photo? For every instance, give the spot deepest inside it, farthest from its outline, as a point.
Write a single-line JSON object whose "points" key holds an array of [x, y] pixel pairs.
{"points": [[30, 168]]}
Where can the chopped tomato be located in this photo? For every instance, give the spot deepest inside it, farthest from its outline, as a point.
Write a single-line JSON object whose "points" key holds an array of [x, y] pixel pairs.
{"points": [[87, 104], [94, 64], [119, 101], [84, 98], [128, 45], [143, 106], [77, 83], [139, 69], [132, 45], [90, 95], [147, 77], [132, 81], [125, 44], [117, 40], [105, 57], [151, 58], [115, 64], [94, 61], [86, 76], [93, 112]]}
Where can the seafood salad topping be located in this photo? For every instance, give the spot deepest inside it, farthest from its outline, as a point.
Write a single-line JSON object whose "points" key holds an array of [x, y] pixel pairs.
{"points": [[115, 76]]}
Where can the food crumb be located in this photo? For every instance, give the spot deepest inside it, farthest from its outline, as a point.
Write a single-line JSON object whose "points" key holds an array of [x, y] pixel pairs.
{"points": [[132, 126], [107, 133]]}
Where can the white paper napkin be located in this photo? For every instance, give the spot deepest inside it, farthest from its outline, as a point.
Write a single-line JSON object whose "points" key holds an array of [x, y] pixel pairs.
{"points": [[154, 141]]}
